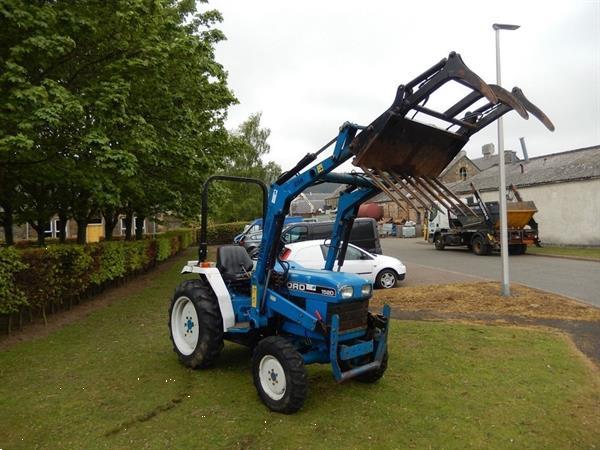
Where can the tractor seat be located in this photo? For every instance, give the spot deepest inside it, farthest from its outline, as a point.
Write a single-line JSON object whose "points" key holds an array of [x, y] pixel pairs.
{"points": [[234, 263]]}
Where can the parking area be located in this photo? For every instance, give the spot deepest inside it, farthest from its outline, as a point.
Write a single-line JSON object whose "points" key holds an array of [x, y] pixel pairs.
{"points": [[425, 265]]}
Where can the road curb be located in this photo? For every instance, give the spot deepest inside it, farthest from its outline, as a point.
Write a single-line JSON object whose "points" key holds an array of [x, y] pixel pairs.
{"points": [[575, 258]]}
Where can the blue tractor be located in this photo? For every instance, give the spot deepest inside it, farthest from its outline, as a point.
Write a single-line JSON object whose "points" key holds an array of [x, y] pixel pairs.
{"points": [[292, 316]]}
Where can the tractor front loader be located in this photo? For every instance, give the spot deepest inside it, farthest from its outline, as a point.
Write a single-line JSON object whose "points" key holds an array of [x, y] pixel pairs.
{"points": [[292, 316]]}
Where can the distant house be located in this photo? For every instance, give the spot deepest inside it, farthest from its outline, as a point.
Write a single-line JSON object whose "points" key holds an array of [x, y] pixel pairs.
{"points": [[564, 186], [94, 231]]}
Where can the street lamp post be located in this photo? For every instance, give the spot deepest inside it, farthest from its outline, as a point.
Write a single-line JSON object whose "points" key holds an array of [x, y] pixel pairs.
{"points": [[503, 222]]}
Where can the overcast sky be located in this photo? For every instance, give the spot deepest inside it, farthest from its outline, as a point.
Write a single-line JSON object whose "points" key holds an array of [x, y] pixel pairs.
{"points": [[309, 66]]}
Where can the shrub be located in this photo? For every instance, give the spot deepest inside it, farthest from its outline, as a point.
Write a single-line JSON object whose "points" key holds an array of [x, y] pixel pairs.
{"points": [[109, 262], [223, 233], [40, 277], [163, 248], [11, 297], [40, 281], [136, 256], [73, 265]]}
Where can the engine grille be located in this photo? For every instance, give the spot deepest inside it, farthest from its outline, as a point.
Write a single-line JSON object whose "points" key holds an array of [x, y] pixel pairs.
{"points": [[352, 314]]}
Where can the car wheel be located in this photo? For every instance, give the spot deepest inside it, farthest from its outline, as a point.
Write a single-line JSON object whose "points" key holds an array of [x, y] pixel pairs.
{"points": [[386, 279]]}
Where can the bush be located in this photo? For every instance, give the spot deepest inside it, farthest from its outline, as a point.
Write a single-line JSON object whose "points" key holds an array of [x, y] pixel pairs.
{"points": [[223, 233], [136, 255], [163, 248], [39, 277], [109, 259], [72, 273], [11, 297], [40, 281]]}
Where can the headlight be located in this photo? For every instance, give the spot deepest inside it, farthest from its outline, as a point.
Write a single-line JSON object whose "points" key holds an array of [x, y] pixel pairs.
{"points": [[347, 292], [366, 290]]}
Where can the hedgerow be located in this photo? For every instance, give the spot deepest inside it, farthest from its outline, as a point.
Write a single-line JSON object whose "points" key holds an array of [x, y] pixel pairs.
{"points": [[43, 278]]}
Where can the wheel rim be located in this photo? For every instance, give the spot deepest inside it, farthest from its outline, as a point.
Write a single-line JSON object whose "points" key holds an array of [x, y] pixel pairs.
{"points": [[184, 325], [272, 377], [388, 280]]}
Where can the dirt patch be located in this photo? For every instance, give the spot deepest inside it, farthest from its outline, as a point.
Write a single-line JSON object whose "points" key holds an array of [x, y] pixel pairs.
{"points": [[485, 298], [37, 329]]}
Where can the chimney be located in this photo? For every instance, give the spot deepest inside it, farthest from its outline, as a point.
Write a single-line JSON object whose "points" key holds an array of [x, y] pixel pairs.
{"points": [[524, 148], [487, 150]]}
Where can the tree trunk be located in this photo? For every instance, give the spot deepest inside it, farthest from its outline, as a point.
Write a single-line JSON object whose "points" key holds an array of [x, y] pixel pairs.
{"points": [[40, 229], [111, 218], [139, 228], [82, 224], [62, 227], [7, 224], [128, 221]]}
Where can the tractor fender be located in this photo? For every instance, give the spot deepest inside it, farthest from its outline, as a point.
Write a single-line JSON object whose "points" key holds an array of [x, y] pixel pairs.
{"points": [[214, 278]]}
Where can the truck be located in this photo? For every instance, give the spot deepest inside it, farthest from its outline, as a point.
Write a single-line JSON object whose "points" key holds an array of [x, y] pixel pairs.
{"points": [[292, 316], [475, 224]]}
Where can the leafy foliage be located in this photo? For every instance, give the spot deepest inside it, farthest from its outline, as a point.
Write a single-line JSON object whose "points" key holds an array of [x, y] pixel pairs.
{"points": [[39, 277], [234, 201], [120, 105], [223, 233], [11, 297]]}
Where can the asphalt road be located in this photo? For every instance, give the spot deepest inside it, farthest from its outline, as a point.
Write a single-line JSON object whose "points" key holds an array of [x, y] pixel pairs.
{"points": [[426, 265]]}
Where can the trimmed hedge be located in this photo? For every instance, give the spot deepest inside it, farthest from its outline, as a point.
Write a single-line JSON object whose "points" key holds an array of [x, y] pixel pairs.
{"points": [[46, 277], [11, 297], [223, 233]]}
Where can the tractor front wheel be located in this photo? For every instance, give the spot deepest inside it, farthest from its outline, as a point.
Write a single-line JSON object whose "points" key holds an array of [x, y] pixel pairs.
{"points": [[195, 324], [279, 375]]}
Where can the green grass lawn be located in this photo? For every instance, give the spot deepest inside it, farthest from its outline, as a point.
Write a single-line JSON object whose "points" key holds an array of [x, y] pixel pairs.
{"points": [[581, 252], [113, 381]]}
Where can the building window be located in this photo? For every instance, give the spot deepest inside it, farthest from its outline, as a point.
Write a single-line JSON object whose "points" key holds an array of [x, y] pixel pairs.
{"points": [[135, 221], [463, 173]]}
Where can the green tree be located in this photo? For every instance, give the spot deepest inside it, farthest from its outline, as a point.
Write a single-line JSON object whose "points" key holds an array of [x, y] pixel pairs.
{"points": [[249, 145], [108, 107]]}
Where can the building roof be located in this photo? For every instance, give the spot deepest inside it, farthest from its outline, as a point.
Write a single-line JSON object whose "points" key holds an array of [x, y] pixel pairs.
{"points": [[573, 165], [458, 157], [485, 162]]}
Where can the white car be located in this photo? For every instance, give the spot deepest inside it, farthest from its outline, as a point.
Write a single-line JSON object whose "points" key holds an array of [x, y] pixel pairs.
{"points": [[383, 271]]}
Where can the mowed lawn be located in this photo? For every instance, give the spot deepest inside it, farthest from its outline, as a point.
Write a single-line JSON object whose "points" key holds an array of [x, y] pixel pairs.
{"points": [[113, 381]]}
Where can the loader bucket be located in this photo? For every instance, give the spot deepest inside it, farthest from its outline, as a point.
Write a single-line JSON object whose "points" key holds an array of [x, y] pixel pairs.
{"points": [[403, 147]]}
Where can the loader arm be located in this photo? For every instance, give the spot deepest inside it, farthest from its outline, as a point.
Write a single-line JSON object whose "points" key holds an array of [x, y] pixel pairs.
{"points": [[396, 153]]}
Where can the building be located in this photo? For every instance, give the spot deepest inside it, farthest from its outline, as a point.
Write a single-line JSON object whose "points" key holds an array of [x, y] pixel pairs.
{"points": [[94, 232], [564, 186]]}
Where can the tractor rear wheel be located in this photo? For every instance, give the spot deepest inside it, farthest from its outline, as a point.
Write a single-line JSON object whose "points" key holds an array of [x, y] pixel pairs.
{"points": [[195, 324], [279, 375]]}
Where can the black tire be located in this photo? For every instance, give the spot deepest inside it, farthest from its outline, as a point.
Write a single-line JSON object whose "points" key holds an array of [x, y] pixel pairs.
{"points": [[523, 249], [384, 279], [479, 246], [371, 376], [295, 376], [209, 327], [438, 241]]}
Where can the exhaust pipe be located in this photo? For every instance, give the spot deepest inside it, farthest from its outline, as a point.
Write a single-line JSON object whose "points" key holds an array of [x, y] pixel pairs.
{"points": [[524, 148]]}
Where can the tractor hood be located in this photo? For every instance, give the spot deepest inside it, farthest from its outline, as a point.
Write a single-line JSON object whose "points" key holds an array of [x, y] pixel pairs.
{"points": [[325, 285]]}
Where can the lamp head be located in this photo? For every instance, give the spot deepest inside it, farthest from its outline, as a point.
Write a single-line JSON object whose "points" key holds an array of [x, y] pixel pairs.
{"points": [[505, 26]]}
